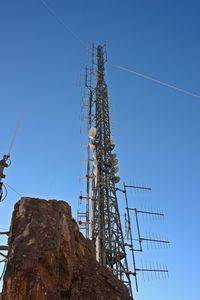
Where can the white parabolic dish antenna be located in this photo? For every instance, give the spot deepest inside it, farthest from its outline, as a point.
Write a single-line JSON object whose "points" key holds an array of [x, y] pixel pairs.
{"points": [[115, 169], [94, 155], [92, 132], [92, 146], [115, 162], [113, 156], [95, 162], [116, 179], [95, 171]]}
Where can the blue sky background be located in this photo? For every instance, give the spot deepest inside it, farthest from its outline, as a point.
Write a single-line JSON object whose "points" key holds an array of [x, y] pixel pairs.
{"points": [[155, 128]]}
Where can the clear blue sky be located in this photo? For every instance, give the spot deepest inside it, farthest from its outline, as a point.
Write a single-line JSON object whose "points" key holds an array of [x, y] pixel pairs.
{"points": [[156, 129]]}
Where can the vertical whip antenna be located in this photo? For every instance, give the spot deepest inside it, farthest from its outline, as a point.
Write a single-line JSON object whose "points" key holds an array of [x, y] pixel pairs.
{"points": [[15, 133]]}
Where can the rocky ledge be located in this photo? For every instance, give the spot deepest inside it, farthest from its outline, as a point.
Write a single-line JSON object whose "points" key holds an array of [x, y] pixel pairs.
{"points": [[49, 259]]}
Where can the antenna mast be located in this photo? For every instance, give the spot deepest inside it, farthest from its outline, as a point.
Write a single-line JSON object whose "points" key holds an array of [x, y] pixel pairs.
{"points": [[102, 219]]}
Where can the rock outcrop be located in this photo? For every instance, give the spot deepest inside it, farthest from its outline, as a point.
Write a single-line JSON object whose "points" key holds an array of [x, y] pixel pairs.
{"points": [[49, 259]]}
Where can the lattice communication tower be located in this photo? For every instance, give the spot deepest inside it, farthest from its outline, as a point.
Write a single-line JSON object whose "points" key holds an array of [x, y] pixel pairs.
{"points": [[101, 220]]}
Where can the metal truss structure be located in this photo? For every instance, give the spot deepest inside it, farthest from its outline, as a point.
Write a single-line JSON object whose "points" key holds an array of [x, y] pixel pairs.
{"points": [[101, 219]]}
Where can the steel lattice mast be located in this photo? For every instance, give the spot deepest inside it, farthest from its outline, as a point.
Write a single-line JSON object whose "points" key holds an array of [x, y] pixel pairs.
{"points": [[102, 218]]}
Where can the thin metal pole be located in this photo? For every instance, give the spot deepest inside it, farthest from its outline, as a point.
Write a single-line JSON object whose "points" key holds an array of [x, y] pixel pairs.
{"points": [[138, 229], [131, 237]]}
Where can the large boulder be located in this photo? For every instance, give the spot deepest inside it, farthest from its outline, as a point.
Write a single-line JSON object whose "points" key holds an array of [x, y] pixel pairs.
{"points": [[49, 259]]}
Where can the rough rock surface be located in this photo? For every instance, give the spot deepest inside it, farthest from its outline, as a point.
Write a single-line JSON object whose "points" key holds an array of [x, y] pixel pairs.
{"points": [[49, 259]]}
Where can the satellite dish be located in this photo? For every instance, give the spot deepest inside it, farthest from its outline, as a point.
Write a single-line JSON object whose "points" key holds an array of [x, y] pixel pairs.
{"points": [[94, 155], [115, 169], [95, 171], [92, 132], [113, 156], [95, 181], [112, 146], [114, 162], [95, 162], [92, 146], [115, 179]]}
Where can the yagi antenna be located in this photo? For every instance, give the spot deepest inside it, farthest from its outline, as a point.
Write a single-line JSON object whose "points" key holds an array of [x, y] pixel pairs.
{"points": [[15, 133], [149, 269], [138, 187]]}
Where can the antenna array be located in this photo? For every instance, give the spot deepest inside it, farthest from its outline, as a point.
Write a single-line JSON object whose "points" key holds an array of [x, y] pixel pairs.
{"points": [[148, 268]]}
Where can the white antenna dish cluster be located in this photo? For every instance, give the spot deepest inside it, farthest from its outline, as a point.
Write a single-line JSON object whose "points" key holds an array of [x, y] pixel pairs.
{"points": [[113, 160], [114, 168], [92, 133], [95, 167]]}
